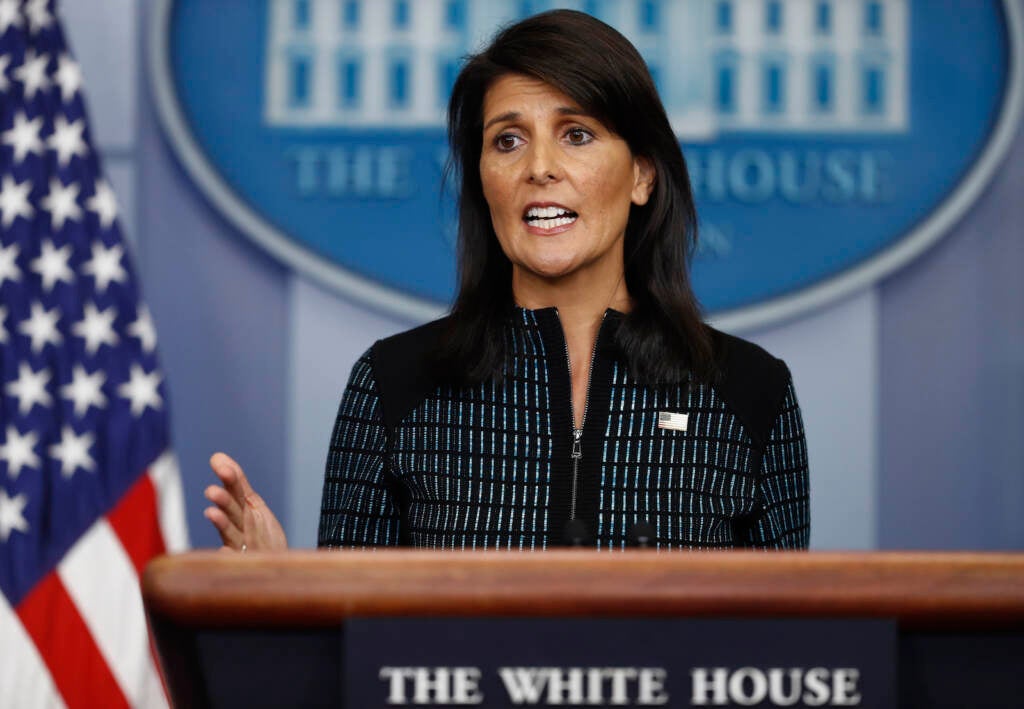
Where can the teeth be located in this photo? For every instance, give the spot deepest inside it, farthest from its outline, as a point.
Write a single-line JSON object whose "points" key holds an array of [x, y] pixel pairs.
{"points": [[546, 212], [552, 223], [550, 217]]}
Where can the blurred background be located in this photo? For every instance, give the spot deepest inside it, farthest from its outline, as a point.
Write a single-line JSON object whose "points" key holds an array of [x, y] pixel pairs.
{"points": [[859, 168]]}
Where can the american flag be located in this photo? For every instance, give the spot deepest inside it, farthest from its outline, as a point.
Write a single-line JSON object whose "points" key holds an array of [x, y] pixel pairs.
{"points": [[89, 490]]}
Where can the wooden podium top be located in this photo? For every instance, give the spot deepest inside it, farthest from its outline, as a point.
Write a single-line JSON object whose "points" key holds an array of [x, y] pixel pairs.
{"points": [[321, 588]]}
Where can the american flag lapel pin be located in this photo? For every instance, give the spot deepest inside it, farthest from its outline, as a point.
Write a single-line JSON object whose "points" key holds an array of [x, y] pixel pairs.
{"points": [[672, 421]]}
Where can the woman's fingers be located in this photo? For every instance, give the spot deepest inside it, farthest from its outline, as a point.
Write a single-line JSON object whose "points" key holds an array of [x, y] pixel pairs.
{"points": [[227, 504], [231, 476], [229, 515], [236, 498], [230, 535], [239, 514]]}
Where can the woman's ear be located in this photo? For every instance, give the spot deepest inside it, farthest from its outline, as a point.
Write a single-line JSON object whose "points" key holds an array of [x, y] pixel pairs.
{"points": [[643, 182]]}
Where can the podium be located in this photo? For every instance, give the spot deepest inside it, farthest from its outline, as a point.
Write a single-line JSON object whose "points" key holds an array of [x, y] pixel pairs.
{"points": [[269, 629]]}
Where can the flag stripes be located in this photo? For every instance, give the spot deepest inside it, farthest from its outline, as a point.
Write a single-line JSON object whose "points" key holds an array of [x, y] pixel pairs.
{"points": [[170, 501], [68, 648], [111, 606], [85, 622], [135, 524], [27, 682], [88, 490]]}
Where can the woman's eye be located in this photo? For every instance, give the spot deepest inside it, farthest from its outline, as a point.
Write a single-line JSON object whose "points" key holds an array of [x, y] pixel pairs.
{"points": [[578, 136], [507, 142]]}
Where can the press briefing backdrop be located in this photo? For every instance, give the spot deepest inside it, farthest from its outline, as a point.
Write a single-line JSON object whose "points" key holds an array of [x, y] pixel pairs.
{"points": [[858, 182]]}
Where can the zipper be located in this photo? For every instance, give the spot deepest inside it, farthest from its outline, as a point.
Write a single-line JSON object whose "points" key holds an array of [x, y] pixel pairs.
{"points": [[577, 454], [577, 433]]}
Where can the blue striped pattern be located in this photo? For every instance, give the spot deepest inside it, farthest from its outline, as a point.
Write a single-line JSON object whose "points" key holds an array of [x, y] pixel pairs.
{"points": [[472, 468], [692, 486]]}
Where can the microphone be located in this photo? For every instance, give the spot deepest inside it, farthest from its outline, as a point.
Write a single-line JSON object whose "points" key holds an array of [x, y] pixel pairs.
{"points": [[576, 534], [642, 535]]}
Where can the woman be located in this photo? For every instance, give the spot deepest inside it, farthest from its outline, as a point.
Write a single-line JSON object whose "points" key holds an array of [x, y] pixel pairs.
{"points": [[573, 395]]}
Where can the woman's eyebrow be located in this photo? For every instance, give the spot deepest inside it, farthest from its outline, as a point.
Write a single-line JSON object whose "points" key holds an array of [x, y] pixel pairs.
{"points": [[573, 111], [504, 117], [513, 115]]}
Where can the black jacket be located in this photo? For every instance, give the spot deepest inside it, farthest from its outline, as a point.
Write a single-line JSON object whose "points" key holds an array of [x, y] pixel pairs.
{"points": [[416, 461]]}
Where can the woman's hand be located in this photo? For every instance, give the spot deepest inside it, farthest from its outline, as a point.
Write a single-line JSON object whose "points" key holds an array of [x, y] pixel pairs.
{"points": [[241, 517]]}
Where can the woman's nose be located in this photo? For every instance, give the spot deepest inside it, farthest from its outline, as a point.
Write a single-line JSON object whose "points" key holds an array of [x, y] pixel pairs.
{"points": [[543, 166]]}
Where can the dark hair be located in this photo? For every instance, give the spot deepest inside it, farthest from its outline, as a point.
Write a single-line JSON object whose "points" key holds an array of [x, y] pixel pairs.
{"points": [[663, 338]]}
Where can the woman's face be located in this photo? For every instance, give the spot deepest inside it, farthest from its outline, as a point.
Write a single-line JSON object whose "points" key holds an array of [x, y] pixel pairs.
{"points": [[558, 182]]}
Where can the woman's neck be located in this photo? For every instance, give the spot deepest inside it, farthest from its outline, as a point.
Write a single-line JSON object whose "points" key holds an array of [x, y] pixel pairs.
{"points": [[581, 309], [577, 299]]}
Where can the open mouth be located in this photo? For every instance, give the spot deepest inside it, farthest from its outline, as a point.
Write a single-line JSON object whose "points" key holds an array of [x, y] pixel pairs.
{"points": [[549, 217]]}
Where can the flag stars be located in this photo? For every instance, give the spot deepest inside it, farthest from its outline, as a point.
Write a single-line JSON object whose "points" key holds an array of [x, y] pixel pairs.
{"points": [[41, 327], [9, 270], [39, 17], [143, 329], [10, 15], [32, 73], [5, 63], [67, 139], [62, 202], [52, 265], [96, 327], [18, 451], [141, 390], [30, 388], [68, 76], [14, 200], [105, 265], [103, 203], [85, 390], [12, 516], [73, 451], [23, 136]]}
